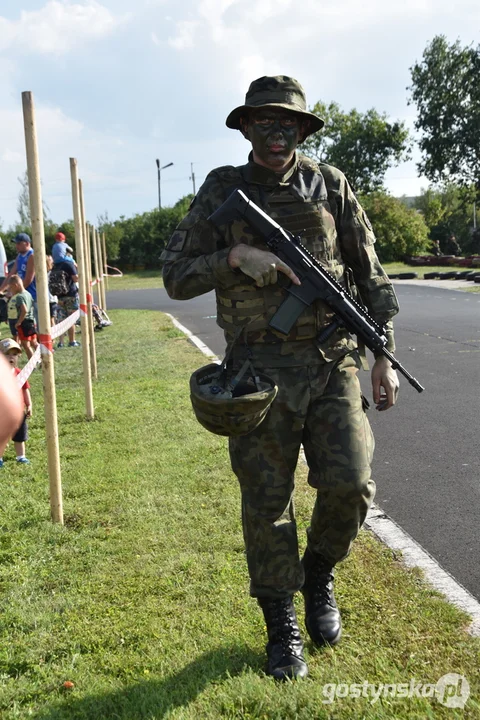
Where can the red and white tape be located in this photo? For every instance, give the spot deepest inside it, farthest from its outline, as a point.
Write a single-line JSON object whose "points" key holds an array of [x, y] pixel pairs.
{"points": [[45, 345]]}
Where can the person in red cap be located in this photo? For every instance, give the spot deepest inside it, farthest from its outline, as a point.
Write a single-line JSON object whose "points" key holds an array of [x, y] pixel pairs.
{"points": [[60, 247]]}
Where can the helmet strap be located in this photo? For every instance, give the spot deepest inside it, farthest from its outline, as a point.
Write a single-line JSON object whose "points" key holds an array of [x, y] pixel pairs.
{"points": [[247, 365]]}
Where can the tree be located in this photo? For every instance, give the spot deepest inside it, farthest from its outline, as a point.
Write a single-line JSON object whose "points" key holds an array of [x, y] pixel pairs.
{"points": [[446, 212], [139, 241], [446, 90], [23, 204], [399, 230], [363, 146]]}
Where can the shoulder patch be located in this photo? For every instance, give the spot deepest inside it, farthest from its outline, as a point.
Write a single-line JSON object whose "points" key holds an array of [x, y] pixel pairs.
{"points": [[177, 241], [307, 162]]}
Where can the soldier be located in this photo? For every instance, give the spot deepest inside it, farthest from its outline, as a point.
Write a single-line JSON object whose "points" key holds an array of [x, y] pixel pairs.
{"points": [[436, 248], [319, 402], [453, 248]]}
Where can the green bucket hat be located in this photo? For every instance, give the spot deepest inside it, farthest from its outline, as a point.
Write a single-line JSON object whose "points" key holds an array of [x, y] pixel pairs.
{"points": [[279, 91]]}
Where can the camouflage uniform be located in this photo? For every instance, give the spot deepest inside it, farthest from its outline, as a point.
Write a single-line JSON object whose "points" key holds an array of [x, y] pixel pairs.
{"points": [[319, 402]]}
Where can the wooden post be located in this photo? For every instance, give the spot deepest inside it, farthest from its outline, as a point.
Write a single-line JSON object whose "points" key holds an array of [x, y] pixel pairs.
{"points": [[80, 248], [44, 335], [102, 265], [104, 246], [100, 260], [96, 265], [89, 256], [88, 280]]}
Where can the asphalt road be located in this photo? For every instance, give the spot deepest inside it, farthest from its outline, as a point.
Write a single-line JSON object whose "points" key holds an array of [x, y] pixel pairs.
{"points": [[427, 460]]}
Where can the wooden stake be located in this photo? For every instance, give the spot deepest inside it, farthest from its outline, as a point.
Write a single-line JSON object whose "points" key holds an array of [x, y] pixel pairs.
{"points": [[104, 247], [88, 280], [80, 248], [44, 336], [89, 255], [96, 264], [100, 260]]}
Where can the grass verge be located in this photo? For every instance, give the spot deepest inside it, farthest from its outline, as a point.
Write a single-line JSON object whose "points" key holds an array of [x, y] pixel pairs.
{"points": [[141, 280], [141, 600]]}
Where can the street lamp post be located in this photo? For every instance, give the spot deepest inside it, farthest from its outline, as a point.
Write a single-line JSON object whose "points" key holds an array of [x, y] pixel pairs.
{"points": [[159, 170]]}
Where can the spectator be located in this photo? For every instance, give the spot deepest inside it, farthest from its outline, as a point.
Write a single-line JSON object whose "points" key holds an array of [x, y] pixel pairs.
{"points": [[436, 248], [63, 283], [52, 299], [12, 314], [21, 302], [60, 248], [25, 268], [11, 351]]}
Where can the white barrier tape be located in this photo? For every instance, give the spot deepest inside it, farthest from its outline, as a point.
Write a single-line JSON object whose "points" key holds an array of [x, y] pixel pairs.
{"points": [[65, 324], [119, 272], [46, 348], [26, 371], [43, 349]]}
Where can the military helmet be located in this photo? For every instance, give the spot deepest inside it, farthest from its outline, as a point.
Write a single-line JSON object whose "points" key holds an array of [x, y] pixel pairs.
{"points": [[229, 404], [279, 91]]}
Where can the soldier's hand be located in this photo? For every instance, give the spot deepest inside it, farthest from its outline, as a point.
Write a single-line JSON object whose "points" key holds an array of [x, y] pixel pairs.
{"points": [[261, 265], [384, 383]]}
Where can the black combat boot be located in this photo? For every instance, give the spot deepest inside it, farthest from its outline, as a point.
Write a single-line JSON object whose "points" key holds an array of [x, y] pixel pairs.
{"points": [[322, 617], [285, 646]]}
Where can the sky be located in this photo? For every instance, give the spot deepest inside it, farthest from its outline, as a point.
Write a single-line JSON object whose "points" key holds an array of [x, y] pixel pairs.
{"points": [[118, 84]]}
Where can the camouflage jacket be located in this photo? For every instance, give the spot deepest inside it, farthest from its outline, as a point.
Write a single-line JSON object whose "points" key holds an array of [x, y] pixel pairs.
{"points": [[312, 200]]}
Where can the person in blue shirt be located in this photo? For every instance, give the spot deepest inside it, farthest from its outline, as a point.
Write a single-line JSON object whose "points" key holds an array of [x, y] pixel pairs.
{"points": [[25, 268], [60, 248]]}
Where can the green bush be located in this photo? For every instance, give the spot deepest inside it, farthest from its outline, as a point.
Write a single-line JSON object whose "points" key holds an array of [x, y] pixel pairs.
{"points": [[399, 230], [137, 242]]}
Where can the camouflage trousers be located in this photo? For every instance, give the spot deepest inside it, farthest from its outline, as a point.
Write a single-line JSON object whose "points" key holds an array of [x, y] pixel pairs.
{"points": [[320, 407]]}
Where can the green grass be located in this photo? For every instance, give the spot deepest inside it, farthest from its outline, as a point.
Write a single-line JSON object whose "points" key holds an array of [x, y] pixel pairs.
{"points": [[144, 279], [142, 601]]}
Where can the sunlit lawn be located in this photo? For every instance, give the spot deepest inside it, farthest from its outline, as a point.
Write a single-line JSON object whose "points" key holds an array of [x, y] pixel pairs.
{"points": [[141, 601]]}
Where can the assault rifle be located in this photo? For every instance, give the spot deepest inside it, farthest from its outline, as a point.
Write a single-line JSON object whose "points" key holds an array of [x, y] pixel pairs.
{"points": [[316, 283]]}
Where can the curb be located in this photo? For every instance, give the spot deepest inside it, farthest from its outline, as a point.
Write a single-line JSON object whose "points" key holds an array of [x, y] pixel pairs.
{"points": [[392, 535], [414, 555]]}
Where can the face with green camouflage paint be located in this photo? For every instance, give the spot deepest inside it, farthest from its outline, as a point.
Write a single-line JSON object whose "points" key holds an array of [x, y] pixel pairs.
{"points": [[274, 134]]}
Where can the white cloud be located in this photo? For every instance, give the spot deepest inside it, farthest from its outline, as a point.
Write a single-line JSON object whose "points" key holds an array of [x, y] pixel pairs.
{"points": [[185, 35], [251, 66], [58, 27]]}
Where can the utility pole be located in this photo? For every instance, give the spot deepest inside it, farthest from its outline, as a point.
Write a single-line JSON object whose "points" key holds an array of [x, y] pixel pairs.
{"points": [[192, 178], [159, 170]]}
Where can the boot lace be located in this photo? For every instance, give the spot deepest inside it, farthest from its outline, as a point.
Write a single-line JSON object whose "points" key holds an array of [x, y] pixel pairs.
{"points": [[320, 579], [282, 615]]}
